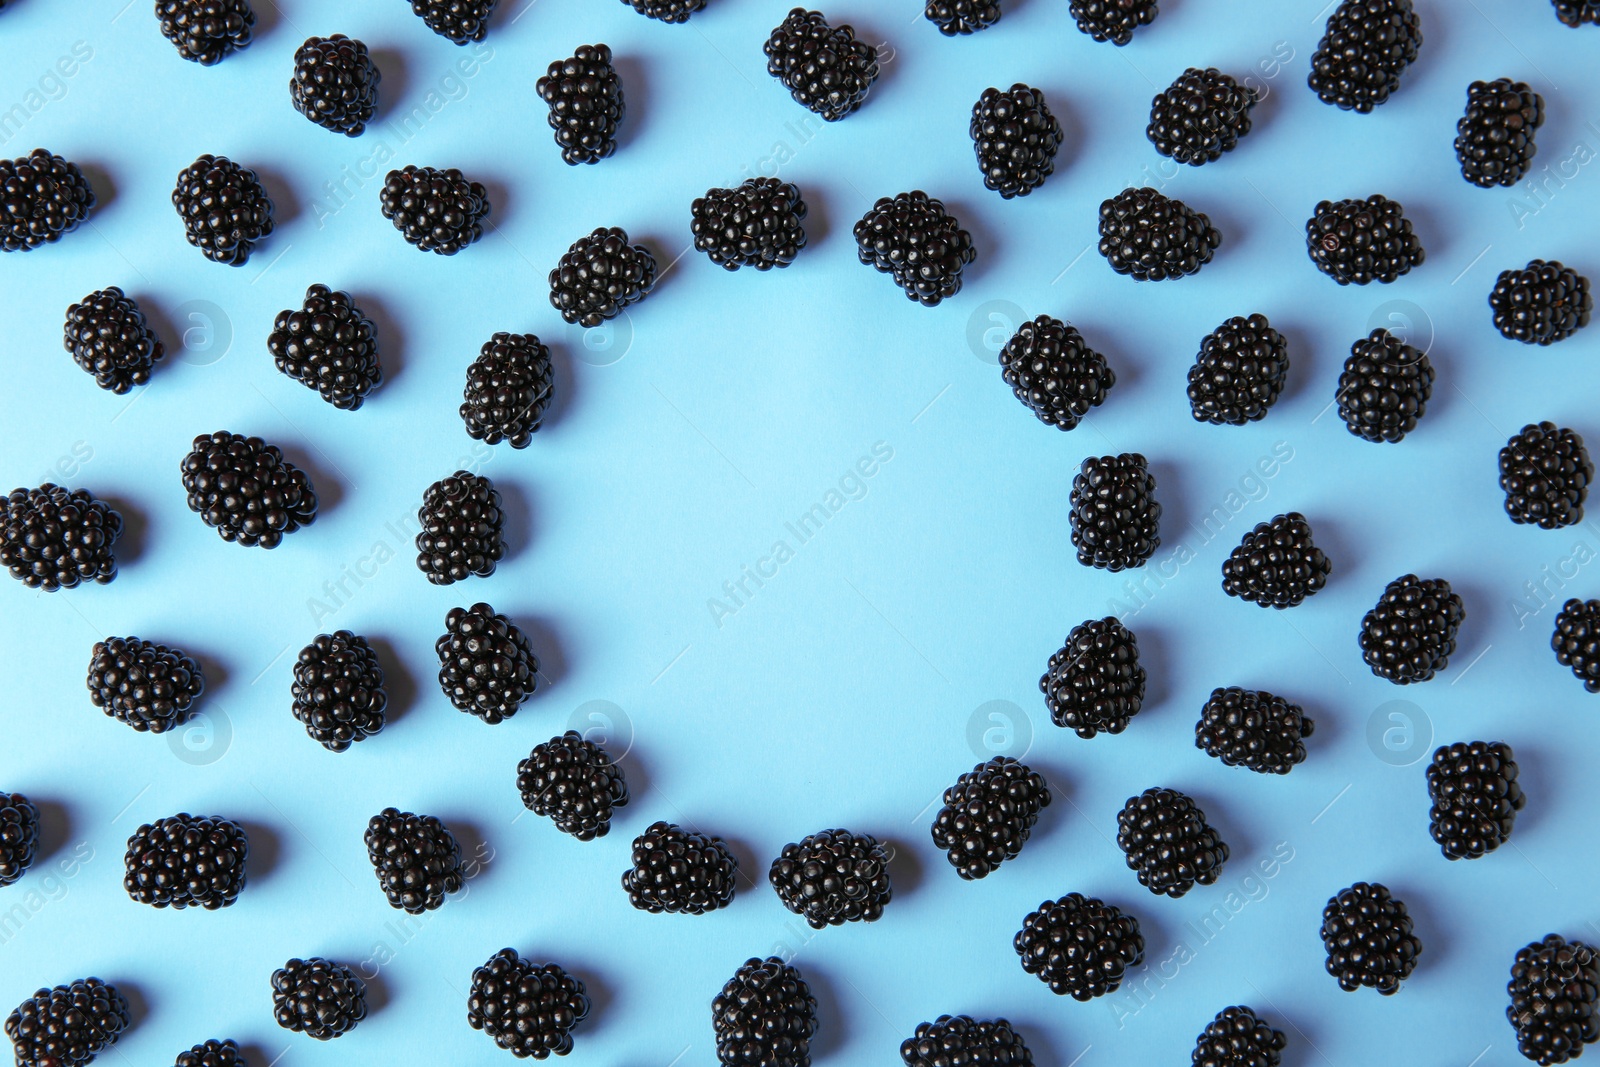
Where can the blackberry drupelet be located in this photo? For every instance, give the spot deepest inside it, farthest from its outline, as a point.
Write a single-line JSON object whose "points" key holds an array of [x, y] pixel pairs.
{"points": [[19, 836], [599, 276], [833, 877], [1410, 633], [486, 665], [1016, 139], [1495, 138], [1575, 13], [913, 238], [1541, 304], [573, 782], [1368, 938], [1555, 999], [529, 1010], [1362, 241], [1155, 237], [679, 871], [1094, 681], [670, 11], [206, 31], [328, 345], [462, 529], [213, 1053], [68, 1026], [759, 223], [1253, 728], [1239, 372], [460, 21], [1201, 115], [1115, 515], [335, 84], [1475, 798], [1384, 388], [962, 16], [1277, 565], [1545, 472], [1238, 1037], [53, 538], [586, 104], [42, 196], [1079, 946], [988, 815], [186, 861], [436, 210], [416, 857], [338, 690], [148, 686], [1168, 843], [318, 998], [225, 210], [1054, 372], [1576, 640], [1367, 45], [1113, 20], [109, 338], [824, 67], [962, 1041], [765, 1016], [508, 389], [244, 489]]}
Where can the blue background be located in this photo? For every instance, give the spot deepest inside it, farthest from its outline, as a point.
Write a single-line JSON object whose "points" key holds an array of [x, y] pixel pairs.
{"points": [[855, 685]]}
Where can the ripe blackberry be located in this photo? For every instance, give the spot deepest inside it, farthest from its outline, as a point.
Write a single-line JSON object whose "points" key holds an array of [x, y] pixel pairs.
{"points": [[912, 237], [206, 31], [1253, 728], [338, 690], [1494, 139], [19, 836], [1115, 515], [679, 871], [575, 783], [53, 538], [1277, 565], [586, 105], [1368, 44], [1113, 20], [436, 210], [962, 16], [335, 84], [225, 210], [1545, 472], [961, 1041], [1016, 139], [1410, 633], [186, 861], [1541, 304], [528, 1010], [318, 998], [416, 857], [988, 815], [1576, 641], [461, 21], [1168, 843], [42, 196], [1575, 13], [759, 223], [1362, 241], [1201, 115], [1054, 372], [1239, 372], [833, 877], [824, 68], [1475, 795], [765, 1016], [599, 276], [508, 389], [1238, 1037], [486, 665], [328, 345], [213, 1053], [1555, 999], [1094, 682], [461, 535], [109, 338], [670, 11], [68, 1026], [1367, 934], [1384, 388], [148, 686], [1079, 946], [1154, 237], [244, 489]]}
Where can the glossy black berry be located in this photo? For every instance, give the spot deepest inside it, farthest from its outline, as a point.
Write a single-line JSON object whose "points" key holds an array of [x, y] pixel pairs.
{"points": [[1167, 842], [206, 31], [1545, 472], [508, 389], [759, 223], [912, 237], [679, 871], [1113, 20], [1541, 304], [335, 83], [1201, 115], [318, 998], [1575, 13], [833, 877], [1153, 237], [573, 782], [42, 196], [1253, 728], [1367, 45], [1054, 372], [962, 16], [244, 489], [765, 1016], [824, 67], [109, 338], [462, 531], [1555, 999], [1495, 138], [460, 21], [1384, 388], [1576, 641], [1367, 935], [988, 815], [1094, 682], [1475, 797], [225, 210], [1239, 372], [69, 1025], [213, 1053], [669, 11], [529, 1010], [1410, 633], [148, 686], [19, 836], [438, 211], [1238, 1037], [586, 104], [416, 857], [962, 1041], [599, 276], [1362, 241], [1277, 565], [186, 861], [1079, 946], [329, 345], [338, 690], [1115, 516], [486, 665], [1016, 139], [53, 538]]}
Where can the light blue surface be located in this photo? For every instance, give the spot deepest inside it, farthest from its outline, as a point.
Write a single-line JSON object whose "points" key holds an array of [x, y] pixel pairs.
{"points": [[844, 690]]}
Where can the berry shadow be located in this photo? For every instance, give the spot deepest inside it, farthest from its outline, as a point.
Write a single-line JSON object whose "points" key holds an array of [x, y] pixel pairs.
{"points": [[1470, 644], [1175, 511], [1302, 362], [1327, 727], [1425, 925], [1240, 844], [818, 222], [253, 1055], [905, 867], [267, 19], [285, 204], [377, 992], [1154, 657], [1128, 371], [391, 339], [166, 331], [1535, 774], [104, 185], [637, 777], [1236, 232], [1053, 817], [214, 671], [547, 647], [634, 75], [985, 240], [752, 874], [517, 512], [398, 681], [1433, 232], [601, 996], [669, 256], [833, 1029], [138, 1005], [1040, 1042], [1074, 136], [329, 490], [1343, 559], [564, 387], [55, 828], [500, 201], [135, 527], [266, 851], [395, 79], [477, 854]]}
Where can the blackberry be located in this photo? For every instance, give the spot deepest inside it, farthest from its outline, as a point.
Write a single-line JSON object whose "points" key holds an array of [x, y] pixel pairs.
{"points": [[1368, 938], [1094, 681], [962, 16], [1113, 20], [206, 31], [1555, 999], [961, 1041], [438, 211], [461, 536], [1575, 13], [53, 538], [338, 690], [1475, 798], [1576, 641], [528, 1010], [1054, 372], [68, 1026], [1079, 946], [416, 857], [186, 861], [1238, 1037], [486, 665], [1253, 728], [1201, 115], [1368, 44], [508, 389], [1545, 472], [1362, 241], [19, 836], [1115, 516], [109, 338], [318, 998], [912, 237], [1016, 139], [833, 877], [759, 223], [1494, 139], [213, 1053], [1410, 633], [225, 210], [599, 276], [460, 21], [679, 871], [988, 815], [586, 105], [1277, 565], [244, 489], [824, 68], [669, 11], [42, 196], [1541, 304], [335, 84], [575, 783], [1384, 388], [1154, 237], [328, 345], [765, 1016], [148, 686], [1168, 843], [1239, 372]]}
